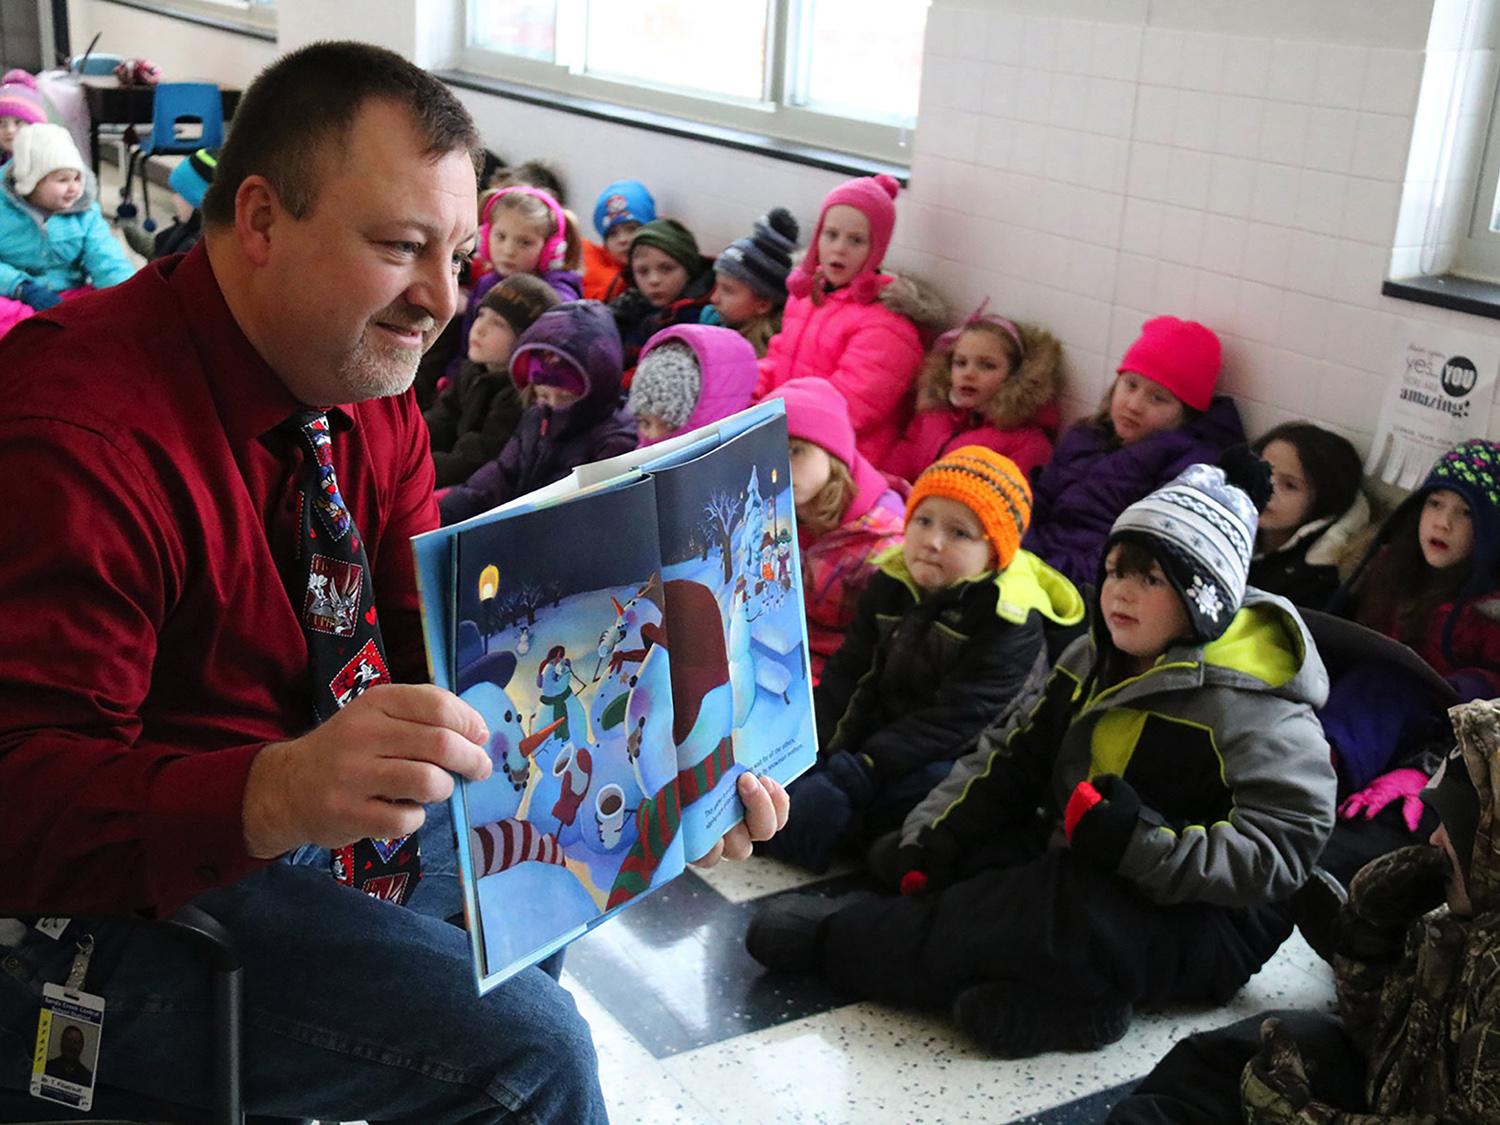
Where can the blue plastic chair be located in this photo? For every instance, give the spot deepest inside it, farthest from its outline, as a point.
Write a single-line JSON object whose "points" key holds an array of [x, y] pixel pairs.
{"points": [[176, 105]]}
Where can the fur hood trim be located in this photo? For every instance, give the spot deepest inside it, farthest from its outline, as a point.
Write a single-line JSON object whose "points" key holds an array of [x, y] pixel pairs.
{"points": [[919, 302], [1029, 388]]}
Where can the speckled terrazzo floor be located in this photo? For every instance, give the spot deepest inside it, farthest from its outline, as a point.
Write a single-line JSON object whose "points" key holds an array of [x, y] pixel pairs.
{"points": [[690, 1029]]}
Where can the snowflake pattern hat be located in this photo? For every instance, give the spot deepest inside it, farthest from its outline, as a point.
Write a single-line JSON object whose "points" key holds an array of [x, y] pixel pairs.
{"points": [[1201, 529]]}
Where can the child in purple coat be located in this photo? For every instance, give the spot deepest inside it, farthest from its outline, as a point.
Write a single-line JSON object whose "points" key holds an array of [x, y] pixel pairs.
{"points": [[571, 356], [1160, 416]]}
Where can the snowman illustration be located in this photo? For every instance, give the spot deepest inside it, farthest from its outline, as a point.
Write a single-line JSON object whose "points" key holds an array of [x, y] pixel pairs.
{"points": [[741, 658], [554, 678]]}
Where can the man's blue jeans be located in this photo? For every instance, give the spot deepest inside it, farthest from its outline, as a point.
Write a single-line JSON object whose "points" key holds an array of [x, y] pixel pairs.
{"points": [[353, 1008]]}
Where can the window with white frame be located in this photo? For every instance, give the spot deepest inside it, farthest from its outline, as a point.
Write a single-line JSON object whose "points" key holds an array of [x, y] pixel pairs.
{"points": [[260, 14], [838, 74], [1450, 203], [1477, 253]]}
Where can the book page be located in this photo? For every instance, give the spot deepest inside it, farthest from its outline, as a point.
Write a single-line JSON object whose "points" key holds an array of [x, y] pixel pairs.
{"points": [[559, 617], [742, 696]]}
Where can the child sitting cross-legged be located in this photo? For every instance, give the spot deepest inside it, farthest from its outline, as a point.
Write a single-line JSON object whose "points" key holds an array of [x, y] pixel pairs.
{"points": [[948, 632], [1129, 837]]}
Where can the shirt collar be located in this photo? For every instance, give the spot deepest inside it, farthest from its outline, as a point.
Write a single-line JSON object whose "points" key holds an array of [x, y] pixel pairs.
{"points": [[250, 396]]}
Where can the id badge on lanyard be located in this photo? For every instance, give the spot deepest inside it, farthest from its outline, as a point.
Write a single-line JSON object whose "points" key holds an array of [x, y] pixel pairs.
{"points": [[66, 1059]]}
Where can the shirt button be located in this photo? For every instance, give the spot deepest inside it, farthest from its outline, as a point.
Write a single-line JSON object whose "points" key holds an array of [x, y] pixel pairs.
{"points": [[11, 963]]}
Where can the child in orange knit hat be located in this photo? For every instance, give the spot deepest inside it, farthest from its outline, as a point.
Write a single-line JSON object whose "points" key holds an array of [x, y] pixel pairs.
{"points": [[950, 629]]}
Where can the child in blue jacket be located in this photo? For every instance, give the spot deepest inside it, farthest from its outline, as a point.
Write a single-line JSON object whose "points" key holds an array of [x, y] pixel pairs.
{"points": [[53, 238]]}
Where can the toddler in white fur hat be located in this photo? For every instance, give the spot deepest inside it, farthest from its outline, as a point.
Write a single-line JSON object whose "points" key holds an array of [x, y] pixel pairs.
{"points": [[53, 237]]}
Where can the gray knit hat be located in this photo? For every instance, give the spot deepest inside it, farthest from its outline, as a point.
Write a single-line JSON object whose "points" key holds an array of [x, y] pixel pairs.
{"points": [[1201, 528], [666, 384], [763, 260]]}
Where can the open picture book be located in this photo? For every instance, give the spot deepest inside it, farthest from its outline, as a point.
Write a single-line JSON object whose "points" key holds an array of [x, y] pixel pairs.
{"points": [[634, 637]]}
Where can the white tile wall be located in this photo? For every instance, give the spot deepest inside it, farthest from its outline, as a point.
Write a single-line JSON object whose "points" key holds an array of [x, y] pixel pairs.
{"points": [[1243, 164], [1090, 163]]}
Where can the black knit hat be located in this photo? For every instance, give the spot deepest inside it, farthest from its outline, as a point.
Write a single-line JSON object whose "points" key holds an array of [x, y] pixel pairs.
{"points": [[763, 260], [520, 299], [1451, 794]]}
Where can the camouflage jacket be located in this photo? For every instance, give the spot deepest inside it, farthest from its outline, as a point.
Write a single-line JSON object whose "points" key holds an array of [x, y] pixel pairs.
{"points": [[1420, 991]]}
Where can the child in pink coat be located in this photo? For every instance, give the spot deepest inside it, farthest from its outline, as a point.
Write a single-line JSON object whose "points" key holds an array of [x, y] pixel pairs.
{"points": [[845, 511], [990, 382], [844, 320], [690, 375]]}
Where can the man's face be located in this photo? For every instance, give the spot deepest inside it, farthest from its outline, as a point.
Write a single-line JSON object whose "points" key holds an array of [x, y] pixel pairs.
{"points": [[70, 1046], [360, 287]]}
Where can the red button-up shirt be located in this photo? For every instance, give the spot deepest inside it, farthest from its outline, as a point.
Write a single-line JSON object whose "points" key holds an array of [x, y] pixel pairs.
{"points": [[149, 648]]}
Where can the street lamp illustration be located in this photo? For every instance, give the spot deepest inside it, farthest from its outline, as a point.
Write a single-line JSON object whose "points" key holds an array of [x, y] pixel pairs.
{"points": [[489, 586]]}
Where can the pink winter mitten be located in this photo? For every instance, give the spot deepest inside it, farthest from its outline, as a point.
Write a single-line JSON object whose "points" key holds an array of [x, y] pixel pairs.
{"points": [[1402, 785]]}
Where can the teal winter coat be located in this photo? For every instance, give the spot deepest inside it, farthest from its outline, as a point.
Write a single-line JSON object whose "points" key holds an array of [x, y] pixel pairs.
{"points": [[65, 250]]}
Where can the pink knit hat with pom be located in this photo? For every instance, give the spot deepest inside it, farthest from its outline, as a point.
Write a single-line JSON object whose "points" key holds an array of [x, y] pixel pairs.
{"points": [[19, 98], [1180, 355], [816, 412], [874, 197]]}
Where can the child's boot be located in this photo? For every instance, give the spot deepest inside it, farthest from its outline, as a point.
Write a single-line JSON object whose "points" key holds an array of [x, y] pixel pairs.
{"points": [[1014, 1021]]}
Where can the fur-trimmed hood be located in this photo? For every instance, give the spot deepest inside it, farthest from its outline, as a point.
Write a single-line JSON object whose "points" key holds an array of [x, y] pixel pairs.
{"points": [[1030, 388], [1334, 538], [913, 298]]}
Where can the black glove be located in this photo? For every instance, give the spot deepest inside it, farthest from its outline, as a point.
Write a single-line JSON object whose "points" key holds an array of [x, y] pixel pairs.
{"points": [[1101, 817], [853, 774], [820, 817], [930, 864], [37, 296]]}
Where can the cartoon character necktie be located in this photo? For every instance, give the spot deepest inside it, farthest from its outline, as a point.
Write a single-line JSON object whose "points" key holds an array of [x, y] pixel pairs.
{"points": [[344, 651]]}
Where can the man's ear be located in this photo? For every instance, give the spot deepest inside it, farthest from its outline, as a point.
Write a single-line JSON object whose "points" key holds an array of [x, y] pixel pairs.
{"points": [[256, 211]]}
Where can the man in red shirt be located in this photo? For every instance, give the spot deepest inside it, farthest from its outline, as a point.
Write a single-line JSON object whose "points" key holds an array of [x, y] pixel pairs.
{"points": [[155, 697]]}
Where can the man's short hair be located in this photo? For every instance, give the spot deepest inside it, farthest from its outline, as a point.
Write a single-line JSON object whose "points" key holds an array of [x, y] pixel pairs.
{"points": [[292, 118]]}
